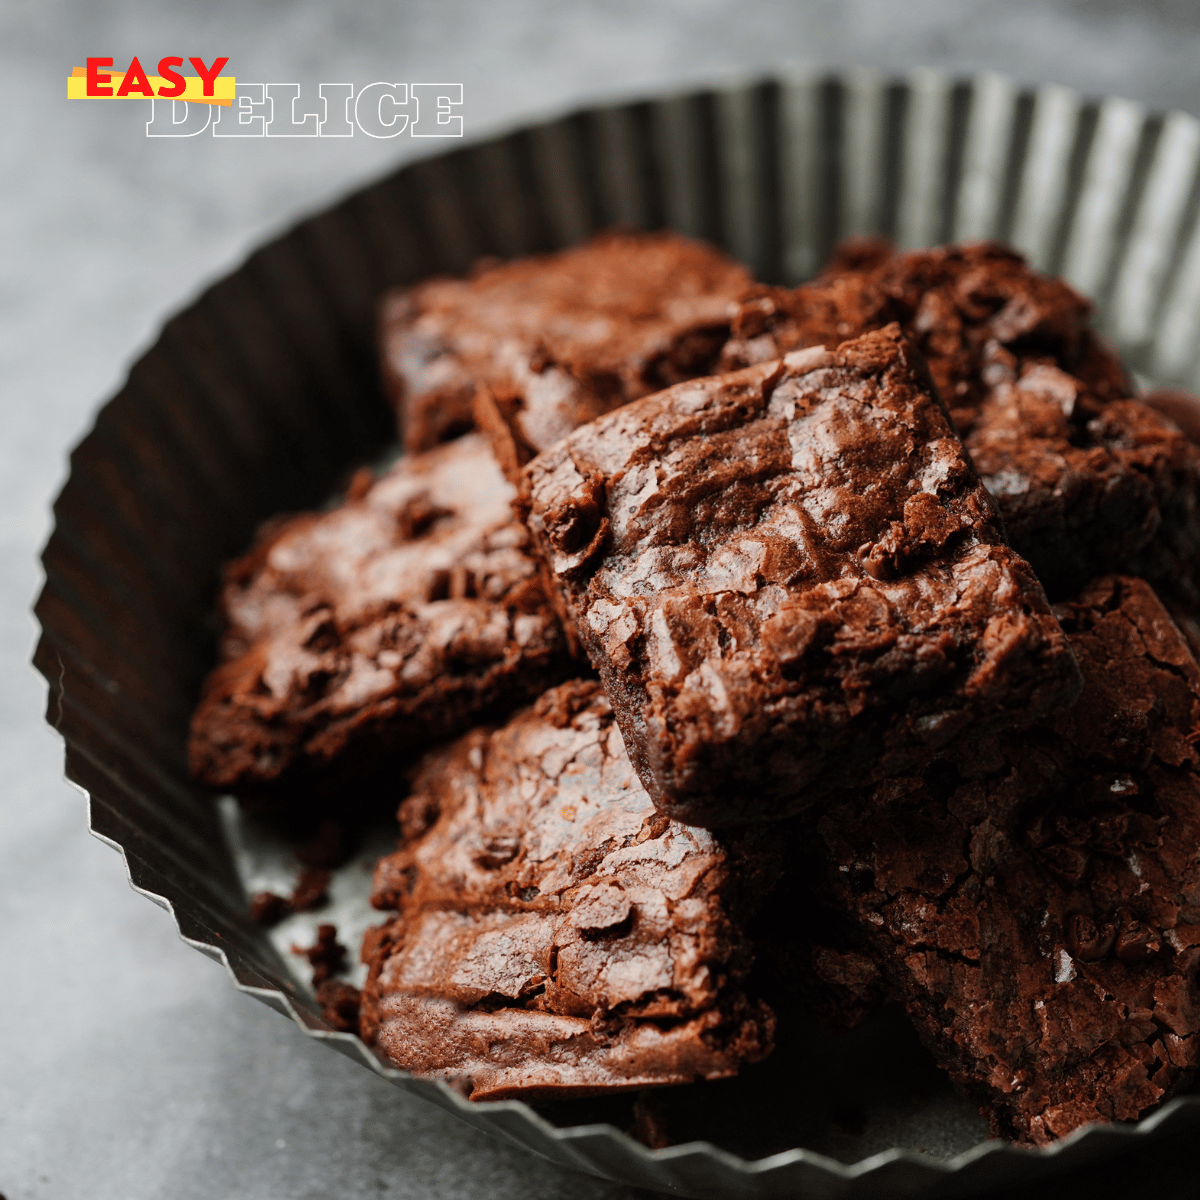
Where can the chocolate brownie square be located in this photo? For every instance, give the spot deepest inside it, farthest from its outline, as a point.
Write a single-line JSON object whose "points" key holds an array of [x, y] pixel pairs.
{"points": [[770, 322], [962, 306], [1087, 488], [555, 339], [790, 576], [402, 615], [1036, 905], [1087, 480], [555, 935]]}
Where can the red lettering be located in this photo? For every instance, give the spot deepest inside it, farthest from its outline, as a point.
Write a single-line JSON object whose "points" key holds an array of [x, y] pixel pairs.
{"points": [[135, 81], [95, 78], [208, 74], [165, 70]]}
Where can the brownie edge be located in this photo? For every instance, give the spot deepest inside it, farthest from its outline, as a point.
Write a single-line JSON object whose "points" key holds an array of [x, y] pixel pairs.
{"points": [[542, 344], [1036, 904], [409, 612], [790, 577], [555, 936]]}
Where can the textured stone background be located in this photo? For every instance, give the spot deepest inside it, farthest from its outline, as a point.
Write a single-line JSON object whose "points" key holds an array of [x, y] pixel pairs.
{"points": [[129, 1067]]}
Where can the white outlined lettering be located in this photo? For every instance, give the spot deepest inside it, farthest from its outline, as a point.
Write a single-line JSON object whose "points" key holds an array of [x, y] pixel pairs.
{"points": [[336, 122], [369, 107], [241, 119], [284, 98], [178, 118], [434, 102], [270, 109]]}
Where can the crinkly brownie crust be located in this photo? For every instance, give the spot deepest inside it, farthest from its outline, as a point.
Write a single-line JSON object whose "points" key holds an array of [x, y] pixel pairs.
{"points": [[555, 935], [555, 339], [790, 576], [961, 305], [403, 615], [1037, 905], [1087, 488]]}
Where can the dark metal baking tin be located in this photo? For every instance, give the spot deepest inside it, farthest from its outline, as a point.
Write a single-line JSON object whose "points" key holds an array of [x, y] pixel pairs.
{"points": [[262, 393]]}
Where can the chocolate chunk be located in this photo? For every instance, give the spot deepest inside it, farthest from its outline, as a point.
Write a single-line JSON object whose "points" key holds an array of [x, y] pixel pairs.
{"points": [[556, 339], [365, 632], [789, 577], [1052, 996], [847, 985], [602, 949], [649, 1122]]}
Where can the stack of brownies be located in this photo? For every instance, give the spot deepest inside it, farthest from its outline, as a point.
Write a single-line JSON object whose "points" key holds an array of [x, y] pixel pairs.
{"points": [[692, 596]]}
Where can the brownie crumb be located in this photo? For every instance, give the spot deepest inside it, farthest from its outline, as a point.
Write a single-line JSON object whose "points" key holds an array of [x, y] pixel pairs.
{"points": [[311, 891], [339, 1004], [268, 908], [850, 986], [326, 955]]}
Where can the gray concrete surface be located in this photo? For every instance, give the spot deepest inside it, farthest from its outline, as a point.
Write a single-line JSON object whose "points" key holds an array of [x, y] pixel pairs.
{"points": [[129, 1067]]}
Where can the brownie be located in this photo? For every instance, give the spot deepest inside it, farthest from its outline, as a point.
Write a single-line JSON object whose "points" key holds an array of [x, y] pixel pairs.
{"points": [[1036, 904], [962, 305], [772, 321], [404, 614], [965, 303], [555, 935], [1088, 488], [555, 339], [1087, 479], [789, 577]]}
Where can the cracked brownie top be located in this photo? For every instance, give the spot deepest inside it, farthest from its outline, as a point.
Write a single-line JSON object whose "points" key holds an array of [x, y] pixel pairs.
{"points": [[789, 576], [405, 613], [1037, 905], [557, 339], [962, 306], [545, 906]]}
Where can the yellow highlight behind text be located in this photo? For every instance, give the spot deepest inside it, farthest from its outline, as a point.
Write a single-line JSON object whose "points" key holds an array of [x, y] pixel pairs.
{"points": [[193, 93]]}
